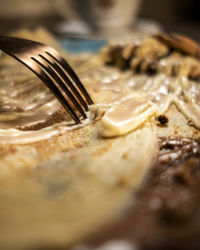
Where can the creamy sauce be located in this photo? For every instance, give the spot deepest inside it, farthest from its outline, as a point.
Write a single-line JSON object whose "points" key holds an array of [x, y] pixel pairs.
{"points": [[28, 109], [22, 137], [127, 115], [161, 91]]}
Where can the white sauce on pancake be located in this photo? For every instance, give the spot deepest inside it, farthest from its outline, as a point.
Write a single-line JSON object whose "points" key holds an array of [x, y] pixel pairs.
{"points": [[27, 108]]}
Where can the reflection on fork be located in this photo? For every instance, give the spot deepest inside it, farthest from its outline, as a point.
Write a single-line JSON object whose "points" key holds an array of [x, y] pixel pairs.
{"points": [[53, 70]]}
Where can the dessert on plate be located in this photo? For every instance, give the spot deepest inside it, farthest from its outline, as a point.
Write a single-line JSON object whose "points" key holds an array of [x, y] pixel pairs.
{"points": [[128, 167]]}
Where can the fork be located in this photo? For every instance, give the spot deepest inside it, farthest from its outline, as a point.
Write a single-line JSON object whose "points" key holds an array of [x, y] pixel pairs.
{"points": [[53, 70]]}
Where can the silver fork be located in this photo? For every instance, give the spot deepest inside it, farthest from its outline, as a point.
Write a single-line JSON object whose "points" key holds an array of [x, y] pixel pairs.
{"points": [[53, 70]]}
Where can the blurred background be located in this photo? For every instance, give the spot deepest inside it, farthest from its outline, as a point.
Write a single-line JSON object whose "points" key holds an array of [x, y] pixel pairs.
{"points": [[89, 17]]}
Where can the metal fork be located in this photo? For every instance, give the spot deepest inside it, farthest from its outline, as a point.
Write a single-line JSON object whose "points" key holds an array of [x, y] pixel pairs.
{"points": [[53, 70]]}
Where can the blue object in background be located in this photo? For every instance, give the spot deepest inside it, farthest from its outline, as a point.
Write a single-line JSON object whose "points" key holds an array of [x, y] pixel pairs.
{"points": [[79, 45]]}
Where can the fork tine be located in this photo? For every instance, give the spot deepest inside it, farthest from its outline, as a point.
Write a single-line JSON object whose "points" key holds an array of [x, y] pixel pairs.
{"points": [[66, 80], [60, 82], [55, 90], [61, 61]]}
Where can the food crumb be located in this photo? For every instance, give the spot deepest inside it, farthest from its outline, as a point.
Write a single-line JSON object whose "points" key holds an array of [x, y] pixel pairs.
{"points": [[162, 119]]}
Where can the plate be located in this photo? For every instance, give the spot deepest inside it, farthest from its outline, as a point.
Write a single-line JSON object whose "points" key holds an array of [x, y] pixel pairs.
{"points": [[81, 45]]}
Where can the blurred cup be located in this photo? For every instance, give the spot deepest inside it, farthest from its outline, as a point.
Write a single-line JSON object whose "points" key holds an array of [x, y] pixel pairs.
{"points": [[106, 16]]}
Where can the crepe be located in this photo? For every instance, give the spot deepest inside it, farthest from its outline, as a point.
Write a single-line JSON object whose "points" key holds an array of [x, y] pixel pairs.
{"points": [[61, 182]]}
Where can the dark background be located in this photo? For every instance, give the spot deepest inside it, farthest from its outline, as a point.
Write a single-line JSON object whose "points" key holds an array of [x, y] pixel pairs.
{"points": [[174, 15]]}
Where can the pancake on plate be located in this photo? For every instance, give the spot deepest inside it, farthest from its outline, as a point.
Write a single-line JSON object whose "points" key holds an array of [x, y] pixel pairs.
{"points": [[59, 182]]}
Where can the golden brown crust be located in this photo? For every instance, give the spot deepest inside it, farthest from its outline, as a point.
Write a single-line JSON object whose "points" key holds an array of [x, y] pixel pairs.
{"points": [[179, 42], [174, 55]]}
